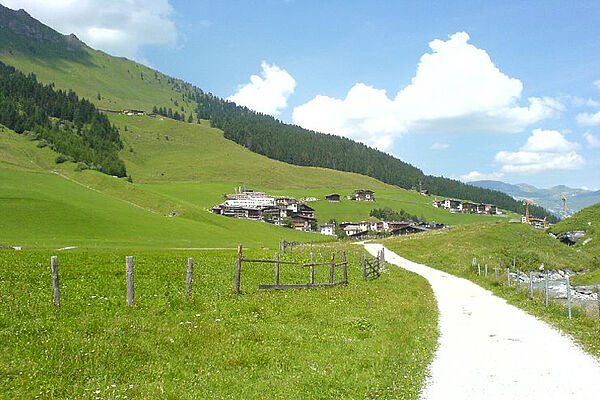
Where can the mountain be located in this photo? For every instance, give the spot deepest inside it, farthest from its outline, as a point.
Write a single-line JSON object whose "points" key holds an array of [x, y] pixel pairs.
{"points": [[551, 199], [113, 83]]}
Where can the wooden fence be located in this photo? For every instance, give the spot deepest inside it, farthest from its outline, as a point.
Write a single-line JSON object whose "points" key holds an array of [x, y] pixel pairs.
{"points": [[372, 267], [129, 279], [277, 264]]}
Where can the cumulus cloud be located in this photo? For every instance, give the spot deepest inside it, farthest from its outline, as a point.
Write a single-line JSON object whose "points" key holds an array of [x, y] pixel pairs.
{"points": [[457, 88], [480, 176], [544, 150], [267, 94], [588, 119], [592, 140], [119, 27], [439, 146]]}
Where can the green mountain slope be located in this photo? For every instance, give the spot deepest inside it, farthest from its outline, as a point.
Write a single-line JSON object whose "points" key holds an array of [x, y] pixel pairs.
{"points": [[587, 220], [117, 83], [48, 205]]}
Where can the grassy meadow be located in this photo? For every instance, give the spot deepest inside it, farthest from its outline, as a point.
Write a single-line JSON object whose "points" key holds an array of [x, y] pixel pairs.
{"points": [[369, 339]]}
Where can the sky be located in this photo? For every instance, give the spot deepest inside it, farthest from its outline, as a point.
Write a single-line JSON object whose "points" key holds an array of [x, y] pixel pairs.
{"points": [[465, 89]]}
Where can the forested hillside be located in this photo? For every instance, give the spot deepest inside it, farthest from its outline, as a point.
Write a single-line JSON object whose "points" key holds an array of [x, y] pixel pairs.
{"points": [[69, 125]]}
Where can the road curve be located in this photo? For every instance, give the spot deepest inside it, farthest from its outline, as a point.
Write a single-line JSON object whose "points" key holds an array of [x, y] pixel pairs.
{"points": [[489, 349]]}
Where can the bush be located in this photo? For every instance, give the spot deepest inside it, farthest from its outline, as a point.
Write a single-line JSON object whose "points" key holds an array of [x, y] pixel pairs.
{"points": [[60, 159], [81, 166]]}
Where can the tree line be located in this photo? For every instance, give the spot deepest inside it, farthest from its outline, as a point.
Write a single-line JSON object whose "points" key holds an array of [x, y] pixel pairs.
{"points": [[387, 214], [70, 126]]}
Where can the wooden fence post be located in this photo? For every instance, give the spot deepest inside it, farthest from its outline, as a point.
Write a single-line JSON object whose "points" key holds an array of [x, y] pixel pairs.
{"points": [[381, 260], [55, 286], [546, 289], [130, 279], [478, 269], [496, 273], [312, 268], [568, 297], [345, 266], [598, 299], [238, 269], [508, 276], [486, 271], [276, 269], [332, 270], [518, 284], [531, 285], [190, 276], [363, 262]]}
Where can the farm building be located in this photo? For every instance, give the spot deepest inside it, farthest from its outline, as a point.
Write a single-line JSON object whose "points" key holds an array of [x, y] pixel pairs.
{"points": [[334, 198], [328, 229], [363, 195]]}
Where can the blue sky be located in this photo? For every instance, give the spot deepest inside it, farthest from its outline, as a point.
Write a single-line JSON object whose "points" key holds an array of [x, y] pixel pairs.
{"points": [[502, 90]]}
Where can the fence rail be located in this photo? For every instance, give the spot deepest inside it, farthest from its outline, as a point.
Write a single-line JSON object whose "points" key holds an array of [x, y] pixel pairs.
{"points": [[277, 262]]}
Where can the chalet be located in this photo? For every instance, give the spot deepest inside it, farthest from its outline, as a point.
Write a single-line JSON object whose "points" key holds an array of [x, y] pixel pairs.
{"points": [[363, 195], [237, 212], [364, 225], [249, 200], [334, 198], [408, 229], [359, 235], [469, 207], [438, 203], [378, 226], [274, 215], [452, 205], [302, 223], [133, 112], [328, 229], [353, 229], [305, 211], [285, 201]]}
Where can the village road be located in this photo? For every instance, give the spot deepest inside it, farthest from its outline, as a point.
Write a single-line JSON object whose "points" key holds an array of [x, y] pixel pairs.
{"points": [[489, 349]]}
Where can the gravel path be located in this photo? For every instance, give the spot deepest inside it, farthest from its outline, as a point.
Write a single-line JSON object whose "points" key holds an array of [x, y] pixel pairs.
{"points": [[489, 349]]}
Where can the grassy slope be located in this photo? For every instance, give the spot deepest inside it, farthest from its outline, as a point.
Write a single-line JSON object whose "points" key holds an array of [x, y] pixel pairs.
{"points": [[118, 80], [194, 163], [452, 251], [50, 210], [367, 340], [587, 220]]}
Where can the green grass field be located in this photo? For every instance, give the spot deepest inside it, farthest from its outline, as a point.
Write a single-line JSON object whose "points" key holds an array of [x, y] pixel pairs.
{"points": [[452, 250], [118, 80], [371, 339]]}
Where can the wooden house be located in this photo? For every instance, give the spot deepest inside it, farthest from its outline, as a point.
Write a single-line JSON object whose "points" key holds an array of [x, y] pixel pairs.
{"points": [[333, 198], [468, 207], [363, 195]]}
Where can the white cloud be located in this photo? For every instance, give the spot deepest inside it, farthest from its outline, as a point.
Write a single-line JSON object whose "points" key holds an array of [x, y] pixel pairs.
{"points": [[587, 119], [439, 146], [457, 88], [119, 27], [544, 150], [268, 94], [480, 176], [597, 83], [593, 141], [549, 141]]}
